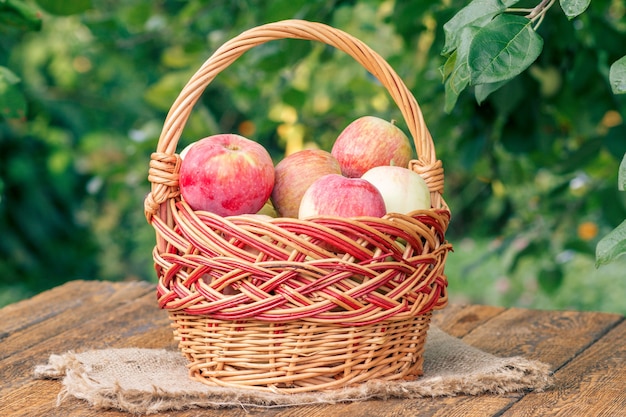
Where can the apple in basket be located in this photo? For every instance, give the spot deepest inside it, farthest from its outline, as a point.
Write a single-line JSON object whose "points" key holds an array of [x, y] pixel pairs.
{"points": [[226, 174], [295, 173], [336, 195], [368, 142], [402, 189]]}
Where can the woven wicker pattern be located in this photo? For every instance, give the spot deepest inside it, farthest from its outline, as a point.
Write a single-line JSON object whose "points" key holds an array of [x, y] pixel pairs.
{"points": [[289, 305], [334, 356]]}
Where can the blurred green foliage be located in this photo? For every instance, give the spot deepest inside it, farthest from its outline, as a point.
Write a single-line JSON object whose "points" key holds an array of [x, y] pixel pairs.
{"points": [[531, 172]]}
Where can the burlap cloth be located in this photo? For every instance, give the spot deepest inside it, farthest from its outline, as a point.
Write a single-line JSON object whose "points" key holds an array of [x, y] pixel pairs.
{"points": [[146, 381]]}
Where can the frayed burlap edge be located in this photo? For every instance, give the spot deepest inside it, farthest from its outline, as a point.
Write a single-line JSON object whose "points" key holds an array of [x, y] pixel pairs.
{"points": [[147, 381]]}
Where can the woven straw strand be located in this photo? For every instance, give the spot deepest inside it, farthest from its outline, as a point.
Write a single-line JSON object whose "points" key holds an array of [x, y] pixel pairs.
{"points": [[288, 305]]}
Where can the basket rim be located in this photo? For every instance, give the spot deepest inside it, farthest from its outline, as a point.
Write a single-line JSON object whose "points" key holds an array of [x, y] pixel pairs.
{"points": [[165, 162], [199, 242], [306, 283]]}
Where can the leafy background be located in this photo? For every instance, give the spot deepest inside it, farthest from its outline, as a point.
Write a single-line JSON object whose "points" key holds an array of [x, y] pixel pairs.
{"points": [[531, 167]]}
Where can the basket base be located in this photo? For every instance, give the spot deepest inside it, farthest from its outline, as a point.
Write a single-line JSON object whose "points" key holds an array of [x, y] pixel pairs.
{"points": [[299, 356]]}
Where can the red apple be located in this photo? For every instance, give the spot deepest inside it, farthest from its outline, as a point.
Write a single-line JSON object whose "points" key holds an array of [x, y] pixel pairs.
{"points": [[227, 175], [369, 142], [295, 173], [402, 189], [336, 195]]}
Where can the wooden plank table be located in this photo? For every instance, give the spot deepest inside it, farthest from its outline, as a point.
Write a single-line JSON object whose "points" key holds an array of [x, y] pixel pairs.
{"points": [[586, 351]]}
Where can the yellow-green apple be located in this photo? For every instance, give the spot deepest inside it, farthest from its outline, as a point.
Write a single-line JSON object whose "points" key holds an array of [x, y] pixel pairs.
{"points": [[268, 208], [336, 195], [226, 174], [295, 173], [402, 189], [369, 142]]}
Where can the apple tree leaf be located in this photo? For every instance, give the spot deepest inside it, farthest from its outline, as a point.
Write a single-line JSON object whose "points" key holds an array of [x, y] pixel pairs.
{"points": [[65, 8], [477, 13], [617, 76], [550, 279], [612, 245], [455, 82], [573, 8], [482, 91], [21, 14], [502, 49], [12, 101], [457, 70], [7, 76], [621, 175]]}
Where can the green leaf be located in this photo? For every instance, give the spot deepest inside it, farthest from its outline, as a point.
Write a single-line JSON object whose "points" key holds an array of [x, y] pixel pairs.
{"points": [[459, 76], [573, 8], [621, 175], [534, 250], [19, 14], [404, 17], [12, 101], [477, 13], [550, 278], [613, 141], [7, 76], [482, 91], [447, 68], [162, 94], [580, 157], [612, 245], [457, 80], [503, 49], [507, 98], [65, 8], [617, 76]]}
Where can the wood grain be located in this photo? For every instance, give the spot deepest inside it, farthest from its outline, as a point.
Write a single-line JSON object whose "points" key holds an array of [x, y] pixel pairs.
{"points": [[91, 324], [552, 337], [43, 322], [48, 304], [592, 384], [585, 349], [459, 320]]}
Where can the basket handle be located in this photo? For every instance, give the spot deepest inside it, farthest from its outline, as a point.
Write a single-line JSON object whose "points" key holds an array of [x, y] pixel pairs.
{"points": [[164, 165]]}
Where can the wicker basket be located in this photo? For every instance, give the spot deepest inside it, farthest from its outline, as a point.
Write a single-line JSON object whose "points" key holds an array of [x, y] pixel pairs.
{"points": [[289, 305]]}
